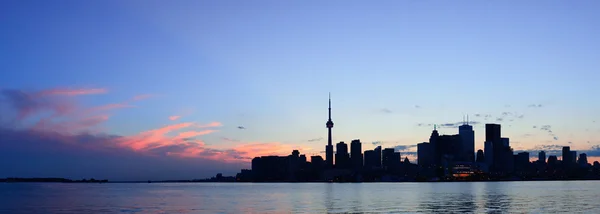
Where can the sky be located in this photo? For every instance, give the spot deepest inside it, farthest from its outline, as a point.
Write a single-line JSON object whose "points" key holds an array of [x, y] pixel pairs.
{"points": [[139, 90]]}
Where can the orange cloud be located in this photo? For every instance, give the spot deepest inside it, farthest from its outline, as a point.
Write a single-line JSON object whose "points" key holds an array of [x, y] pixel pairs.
{"points": [[74, 92], [174, 117]]}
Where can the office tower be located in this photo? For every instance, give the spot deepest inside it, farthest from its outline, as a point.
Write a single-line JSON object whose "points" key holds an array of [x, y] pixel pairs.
{"points": [[566, 155], [493, 135], [425, 154], [489, 153], [390, 159], [342, 158], [468, 142], [329, 147], [378, 156], [552, 161], [542, 157], [492, 132], [573, 157], [356, 154], [370, 159], [522, 161], [582, 159], [480, 156], [448, 149], [505, 142]]}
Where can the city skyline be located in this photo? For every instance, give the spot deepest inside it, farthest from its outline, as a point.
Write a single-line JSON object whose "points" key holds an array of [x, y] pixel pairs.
{"points": [[183, 89]]}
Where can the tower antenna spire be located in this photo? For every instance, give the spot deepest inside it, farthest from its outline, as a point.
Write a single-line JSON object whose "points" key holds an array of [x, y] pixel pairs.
{"points": [[467, 119], [329, 105]]}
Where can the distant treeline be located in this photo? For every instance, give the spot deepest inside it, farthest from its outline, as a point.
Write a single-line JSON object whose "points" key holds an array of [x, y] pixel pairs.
{"points": [[52, 180]]}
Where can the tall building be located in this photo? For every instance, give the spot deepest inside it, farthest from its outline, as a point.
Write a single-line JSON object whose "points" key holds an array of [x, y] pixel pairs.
{"points": [[370, 159], [425, 154], [492, 132], [489, 153], [480, 156], [329, 147], [582, 159], [468, 142], [342, 158], [552, 161], [522, 161], [390, 159], [377, 156], [566, 155], [356, 155], [542, 157], [573, 157]]}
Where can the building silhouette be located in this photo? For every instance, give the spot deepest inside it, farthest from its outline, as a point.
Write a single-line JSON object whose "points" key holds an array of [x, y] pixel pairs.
{"points": [[467, 135], [390, 158], [356, 156], [480, 156], [542, 157], [566, 155], [329, 147], [342, 158], [425, 154]]}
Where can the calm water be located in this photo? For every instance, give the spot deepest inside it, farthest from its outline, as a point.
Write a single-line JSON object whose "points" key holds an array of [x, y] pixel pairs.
{"points": [[489, 197]]}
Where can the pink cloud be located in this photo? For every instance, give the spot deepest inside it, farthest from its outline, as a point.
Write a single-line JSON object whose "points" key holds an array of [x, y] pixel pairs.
{"points": [[110, 107], [210, 125], [174, 117], [142, 97], [73, 92], [191, 134]]}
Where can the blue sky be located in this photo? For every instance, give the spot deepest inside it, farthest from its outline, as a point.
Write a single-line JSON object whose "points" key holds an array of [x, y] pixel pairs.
{"points": [[268, 66]]}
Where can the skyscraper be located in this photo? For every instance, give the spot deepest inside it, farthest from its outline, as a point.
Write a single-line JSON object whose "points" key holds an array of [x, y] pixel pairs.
{"points": [[356, 155], [542, 157], [378, 156], [329, 147], [573, 157], [425, 154], [492, 132], [582, 159], [480, 156], [489, 153], [342, 158], [387, 156], [566, 155], [468, 142]]}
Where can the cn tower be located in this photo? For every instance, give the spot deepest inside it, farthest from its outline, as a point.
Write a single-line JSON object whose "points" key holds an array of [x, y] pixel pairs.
{"points": [[329, 147]]}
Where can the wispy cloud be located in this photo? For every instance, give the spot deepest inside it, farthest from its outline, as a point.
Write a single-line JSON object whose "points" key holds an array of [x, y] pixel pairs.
{"points": [[377, 143], [417, 106], [230, 139], [315, 139], [174, 117], [142, 97], [73, 92], [385, 110], [535, 106]]}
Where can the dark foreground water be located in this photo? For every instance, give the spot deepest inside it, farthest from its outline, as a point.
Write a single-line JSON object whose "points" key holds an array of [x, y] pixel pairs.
{"points": [[480, 197]]}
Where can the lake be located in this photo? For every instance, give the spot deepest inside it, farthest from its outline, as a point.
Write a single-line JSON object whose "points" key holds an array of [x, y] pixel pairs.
{"points": [[475, 197]]}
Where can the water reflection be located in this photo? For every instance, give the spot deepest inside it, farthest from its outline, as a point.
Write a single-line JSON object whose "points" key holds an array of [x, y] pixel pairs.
{"points": [[482, 197]]}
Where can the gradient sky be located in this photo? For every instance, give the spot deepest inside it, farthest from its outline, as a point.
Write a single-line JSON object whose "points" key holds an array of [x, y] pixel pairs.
{"points": [[136, 90]]}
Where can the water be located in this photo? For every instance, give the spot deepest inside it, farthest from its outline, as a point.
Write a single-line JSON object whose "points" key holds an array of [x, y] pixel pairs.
{"points": [[476, 197]]}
